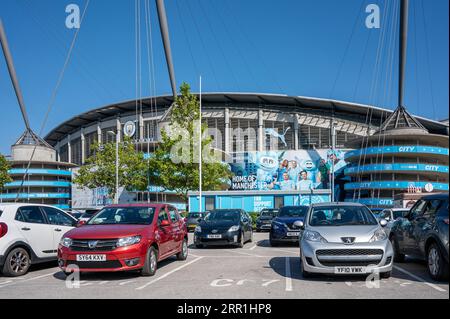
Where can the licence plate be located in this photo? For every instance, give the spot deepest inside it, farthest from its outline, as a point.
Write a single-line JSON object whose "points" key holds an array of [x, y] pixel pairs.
{"points": [[293, 234], [350, 270], [91, 257], [214, 236]]}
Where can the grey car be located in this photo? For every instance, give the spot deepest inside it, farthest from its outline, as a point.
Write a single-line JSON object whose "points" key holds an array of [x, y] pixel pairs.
{"points": [[423, 233], [344, 239]]}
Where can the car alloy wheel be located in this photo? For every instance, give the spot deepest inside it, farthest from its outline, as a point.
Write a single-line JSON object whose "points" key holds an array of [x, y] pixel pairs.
{"points": [[182, 255], [17, 263], [433, 261], [153, 261]]}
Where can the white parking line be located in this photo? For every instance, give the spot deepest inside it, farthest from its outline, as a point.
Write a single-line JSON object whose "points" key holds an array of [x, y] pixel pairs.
{"points": [[420, 279], [126, 282], [288, 275], [169, 273], [251, 248], [5, 282], [287, 251], [245, 254], [25, 280]]}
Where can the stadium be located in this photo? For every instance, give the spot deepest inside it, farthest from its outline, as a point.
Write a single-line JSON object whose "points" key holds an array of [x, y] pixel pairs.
{"points": [[302, 125]]}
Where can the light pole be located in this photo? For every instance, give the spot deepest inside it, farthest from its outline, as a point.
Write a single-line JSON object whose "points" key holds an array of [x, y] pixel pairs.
{"points": [[116, 197]]}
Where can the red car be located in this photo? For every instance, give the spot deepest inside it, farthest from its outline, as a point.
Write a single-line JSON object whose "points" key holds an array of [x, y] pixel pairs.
{"points": [[125, 237]]}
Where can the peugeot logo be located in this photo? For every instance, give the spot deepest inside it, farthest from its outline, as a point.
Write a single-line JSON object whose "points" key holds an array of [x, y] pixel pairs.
{"points": [[92, 244], [348, 240]]}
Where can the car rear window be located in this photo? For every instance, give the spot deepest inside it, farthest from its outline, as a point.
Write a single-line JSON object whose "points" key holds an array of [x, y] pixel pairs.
{"points": [[293, 211]]}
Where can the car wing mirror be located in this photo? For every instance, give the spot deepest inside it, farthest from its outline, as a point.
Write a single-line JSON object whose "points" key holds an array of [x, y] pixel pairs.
{"points": [[164, 223], [383, 222], [81, 223], [299, 224]]}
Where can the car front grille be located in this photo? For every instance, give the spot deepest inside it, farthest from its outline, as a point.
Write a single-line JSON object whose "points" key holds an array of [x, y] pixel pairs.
{"points": [[348, 252], [349, 257], [349, 263], [102, 245], [109, 264]]}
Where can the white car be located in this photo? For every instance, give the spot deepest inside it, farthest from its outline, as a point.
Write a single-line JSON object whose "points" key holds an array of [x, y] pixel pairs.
{"points": [[30, 234]]}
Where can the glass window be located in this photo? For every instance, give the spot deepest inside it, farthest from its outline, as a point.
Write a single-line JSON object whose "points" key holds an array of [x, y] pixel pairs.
{"points": [[173, 214], [431, 208], [417, 208], [293, 211], [123, 216], [56, 217], [30, 214], [162, 216], [341, 216], [231, 215]]}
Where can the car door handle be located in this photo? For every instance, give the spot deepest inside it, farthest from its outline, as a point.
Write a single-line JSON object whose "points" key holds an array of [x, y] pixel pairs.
{"points": [[57, 229], [26, 229]]}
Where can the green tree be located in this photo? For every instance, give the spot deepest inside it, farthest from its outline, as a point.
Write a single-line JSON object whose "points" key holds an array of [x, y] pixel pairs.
{"points": [[100, 169], [4, 175], [183, 176]]}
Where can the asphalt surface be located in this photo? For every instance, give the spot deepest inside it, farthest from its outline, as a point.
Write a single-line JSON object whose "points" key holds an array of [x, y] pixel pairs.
{"points": [[255, 271]]}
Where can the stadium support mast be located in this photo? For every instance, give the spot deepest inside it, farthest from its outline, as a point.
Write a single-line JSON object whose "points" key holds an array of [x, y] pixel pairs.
{"points": [[166, 41], [404, 6], [13, 75]]}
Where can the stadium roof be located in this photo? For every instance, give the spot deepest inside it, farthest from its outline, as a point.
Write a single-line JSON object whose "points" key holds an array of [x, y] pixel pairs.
{"points": [[297, 103], [30, 138]]}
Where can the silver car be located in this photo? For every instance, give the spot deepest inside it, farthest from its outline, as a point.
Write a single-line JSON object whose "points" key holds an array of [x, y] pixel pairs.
{"points": [[344, 239]]}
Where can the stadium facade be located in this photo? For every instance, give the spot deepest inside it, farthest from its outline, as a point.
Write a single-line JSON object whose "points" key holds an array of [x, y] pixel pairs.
{"points": [[38, 177], [245, 126]]}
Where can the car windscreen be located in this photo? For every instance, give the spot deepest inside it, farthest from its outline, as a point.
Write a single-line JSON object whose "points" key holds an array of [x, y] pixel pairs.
{"points": [[341, 216], [228, 215], [400, 213], [124, 216], [299, 211], [267, 214], [195, 215]]}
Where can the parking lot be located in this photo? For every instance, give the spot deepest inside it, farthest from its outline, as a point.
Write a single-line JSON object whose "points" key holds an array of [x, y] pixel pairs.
{"points": [[256, 271]]}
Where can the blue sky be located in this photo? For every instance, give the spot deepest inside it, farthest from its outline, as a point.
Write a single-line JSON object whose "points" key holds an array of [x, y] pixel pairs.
{"points": [[298, 47]]}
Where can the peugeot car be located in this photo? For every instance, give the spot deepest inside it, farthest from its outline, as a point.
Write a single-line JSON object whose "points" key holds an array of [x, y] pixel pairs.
{"points": [[264, 220], [125, 237], [224, 227], [283, 228], [344, 239]]}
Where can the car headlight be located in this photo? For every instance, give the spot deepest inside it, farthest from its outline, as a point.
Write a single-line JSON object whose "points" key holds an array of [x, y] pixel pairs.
{"points": [[128, 241], [198, 229], [379, 235], [314, 236], [66, 242], [233, 228]]}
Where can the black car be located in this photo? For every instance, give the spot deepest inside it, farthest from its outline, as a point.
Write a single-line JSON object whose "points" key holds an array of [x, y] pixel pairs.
{"points": [[423, 233], [264, 220], [192, 220], [224, 227]]}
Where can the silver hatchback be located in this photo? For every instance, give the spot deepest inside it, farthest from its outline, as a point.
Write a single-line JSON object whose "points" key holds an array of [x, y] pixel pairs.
{"points": [[344, 239]]}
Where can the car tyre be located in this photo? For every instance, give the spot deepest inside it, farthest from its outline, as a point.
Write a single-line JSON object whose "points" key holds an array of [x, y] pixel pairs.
{"points": [[385, 275], [17, 263], [182, 255], [436, 264], [151, 262], [241, 241], [398, 257]]}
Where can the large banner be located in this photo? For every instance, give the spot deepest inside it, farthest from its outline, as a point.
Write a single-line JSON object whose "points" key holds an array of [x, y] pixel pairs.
{"points": [[302, 170]]}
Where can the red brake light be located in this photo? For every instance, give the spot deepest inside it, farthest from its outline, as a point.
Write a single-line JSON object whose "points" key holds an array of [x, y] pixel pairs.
{"points": [[3, 229]]}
